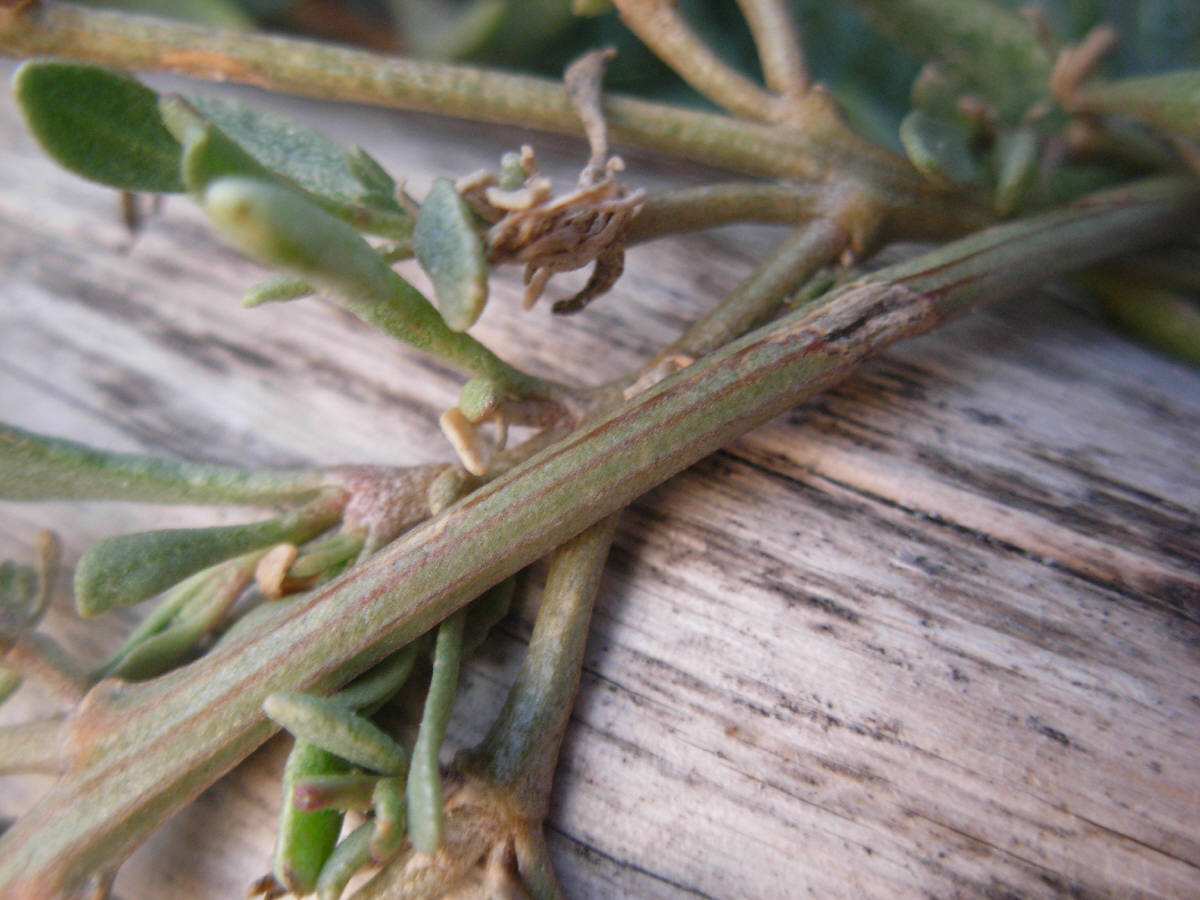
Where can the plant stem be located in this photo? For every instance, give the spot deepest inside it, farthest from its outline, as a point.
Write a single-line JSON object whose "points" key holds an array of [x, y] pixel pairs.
{"points": [[40, 657], [35, 746], [754, 300], [143, 751], [520, 750], [659, 25], [357, 76], [780, 52], [711, 205]]}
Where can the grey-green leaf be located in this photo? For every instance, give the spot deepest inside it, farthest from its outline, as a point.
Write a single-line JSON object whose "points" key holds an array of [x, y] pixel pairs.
{"points": [[1016, 165], [129, 568], [310, 159], [449, 250], [37, 467], [938, 148], [333, 727], [99, 124]]}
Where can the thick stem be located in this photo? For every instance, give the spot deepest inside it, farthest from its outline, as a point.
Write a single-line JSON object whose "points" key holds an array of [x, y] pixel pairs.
{"points": [[140, 752]]}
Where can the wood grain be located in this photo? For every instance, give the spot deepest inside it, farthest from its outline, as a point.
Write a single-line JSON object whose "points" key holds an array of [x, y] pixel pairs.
{"points": [[936, 634]]}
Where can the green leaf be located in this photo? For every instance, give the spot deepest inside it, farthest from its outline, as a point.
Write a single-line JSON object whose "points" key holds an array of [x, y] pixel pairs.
{"points": [[99, 124], [18, 596], [348, 857], [939, 149], [9, 682], [305, 840], [338, 730], [129, 568], [448, 248], [426, 817], [282, 228], [1170, 102], [37, 467], [200, 603], [223, 137], [317, 164], [380, 682], [1016, 165], [479, 398], [278, 289], [391, 818], [1159, 317], [371, 175]]}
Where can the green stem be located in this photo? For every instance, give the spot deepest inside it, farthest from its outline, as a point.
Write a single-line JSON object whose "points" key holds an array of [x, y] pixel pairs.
{"points": [[712, 205], [520, 750], [143, 751], [754, 300]]}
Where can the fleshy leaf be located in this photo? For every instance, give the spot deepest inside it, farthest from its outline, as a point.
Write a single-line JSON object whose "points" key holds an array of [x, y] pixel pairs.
{"points": [[1170, 102], [129, 568], [99, 124], [426, 817], [333, 727], [222, 137], [38, 467], [9, 682], [348, 857], [1016, 166], [451, 253], [305, 839], [938, 148]]}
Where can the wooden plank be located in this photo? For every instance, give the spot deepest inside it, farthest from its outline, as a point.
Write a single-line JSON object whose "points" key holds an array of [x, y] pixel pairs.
{"points": [[934, 634]]}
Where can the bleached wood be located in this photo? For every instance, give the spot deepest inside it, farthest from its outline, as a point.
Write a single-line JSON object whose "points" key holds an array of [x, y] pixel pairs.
{"points": [[934, 634]]}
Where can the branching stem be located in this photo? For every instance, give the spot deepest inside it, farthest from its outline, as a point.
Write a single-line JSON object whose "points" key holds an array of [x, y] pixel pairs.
{"points": [[143, 751], [348, 75]]}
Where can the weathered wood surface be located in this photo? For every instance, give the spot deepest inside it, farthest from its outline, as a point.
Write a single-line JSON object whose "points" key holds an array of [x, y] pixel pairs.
{"points": [[935, 634]]}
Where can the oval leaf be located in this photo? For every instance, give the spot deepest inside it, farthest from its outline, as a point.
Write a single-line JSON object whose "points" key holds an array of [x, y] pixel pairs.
{"points": [[99, 124], [449, 250], [307, 157], [938, 148]]}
